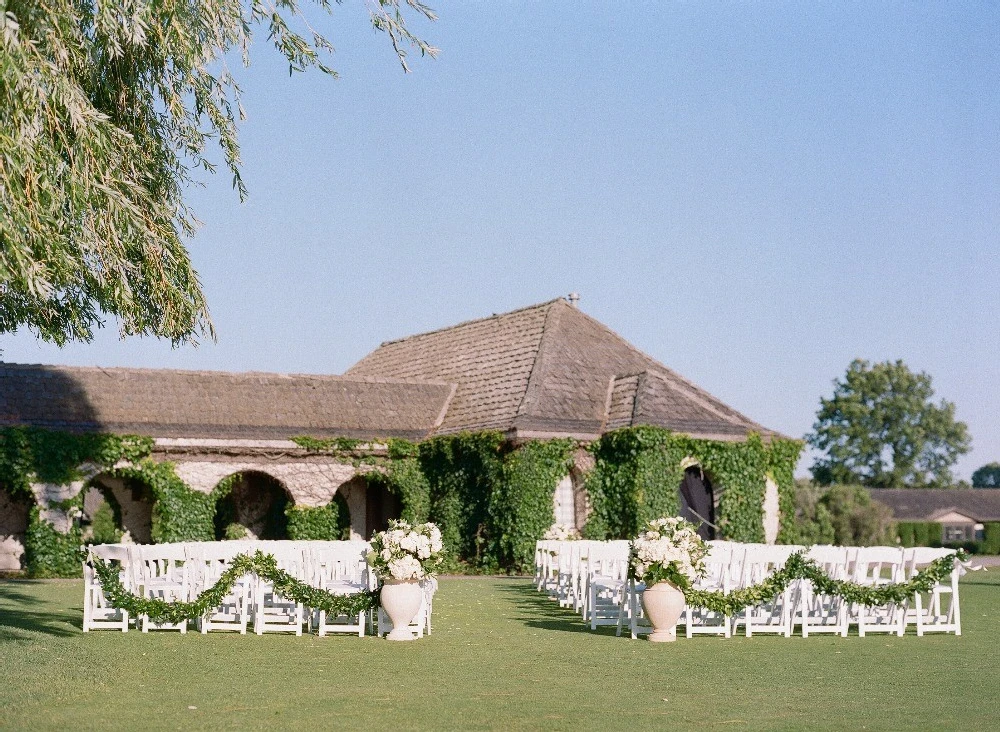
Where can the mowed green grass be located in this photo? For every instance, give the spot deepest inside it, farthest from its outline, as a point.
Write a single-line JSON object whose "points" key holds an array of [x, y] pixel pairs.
{"points": [[501, 657]]}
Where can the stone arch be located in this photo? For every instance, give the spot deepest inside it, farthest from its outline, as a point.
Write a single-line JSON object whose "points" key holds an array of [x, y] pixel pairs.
{"points": [[569, 500], [256, 501], [370, 504], [129, 500], [14, 511], [771, 510]]}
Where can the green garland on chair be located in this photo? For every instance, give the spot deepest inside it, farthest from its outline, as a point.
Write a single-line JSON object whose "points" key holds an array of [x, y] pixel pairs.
{"points": [[799, 567], [263, 565]]}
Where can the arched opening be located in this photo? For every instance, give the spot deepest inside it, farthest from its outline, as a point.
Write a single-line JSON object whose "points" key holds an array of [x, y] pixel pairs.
{"points": [[564, 503], [14, 511], [115, 507], [697, 501], [253, 508], [371, 505], [569, 501]]}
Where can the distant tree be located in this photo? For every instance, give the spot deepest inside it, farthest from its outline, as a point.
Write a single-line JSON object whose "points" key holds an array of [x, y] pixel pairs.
{"points": [[858, 520], [839, 514], [812, 523], [987, 476], [880, 429], [106, 108]]}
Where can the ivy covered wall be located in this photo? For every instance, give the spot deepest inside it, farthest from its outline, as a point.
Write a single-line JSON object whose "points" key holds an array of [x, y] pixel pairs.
{"points": [[492, 499], [638, 469]]}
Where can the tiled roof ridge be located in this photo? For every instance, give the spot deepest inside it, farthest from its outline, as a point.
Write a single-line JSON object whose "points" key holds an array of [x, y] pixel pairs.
{"points": [[473, 321], [229, 374], [537, 369], [669, 372], [733, 417]]}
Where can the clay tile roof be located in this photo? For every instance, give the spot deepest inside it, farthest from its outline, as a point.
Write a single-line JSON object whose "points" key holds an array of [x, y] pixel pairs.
{"points": [[490, 360], [551, 369], [172, 403], [923, 504]]}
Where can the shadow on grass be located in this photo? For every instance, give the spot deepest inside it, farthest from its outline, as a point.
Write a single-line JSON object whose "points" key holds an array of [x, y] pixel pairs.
{"points": [[538, 611], [21, 611]]}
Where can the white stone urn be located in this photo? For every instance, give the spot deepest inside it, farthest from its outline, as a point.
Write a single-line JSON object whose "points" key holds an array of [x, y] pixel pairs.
{"points": [[663, 604], [401, 601]]}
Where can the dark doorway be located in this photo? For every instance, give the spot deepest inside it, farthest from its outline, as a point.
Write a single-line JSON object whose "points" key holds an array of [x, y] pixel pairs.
{"points": [[253, 509], [381, 505], [696, 501]]}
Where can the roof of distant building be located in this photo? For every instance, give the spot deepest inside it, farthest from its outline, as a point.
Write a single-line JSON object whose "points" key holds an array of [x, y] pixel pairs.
{"points": [[920, 504]]}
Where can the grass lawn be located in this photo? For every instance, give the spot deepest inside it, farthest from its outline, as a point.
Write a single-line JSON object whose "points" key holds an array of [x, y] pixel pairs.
{"points": [[501, 657]]}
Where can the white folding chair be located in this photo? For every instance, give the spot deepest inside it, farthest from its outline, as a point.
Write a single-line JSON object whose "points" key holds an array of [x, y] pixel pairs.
{"points": [[875, 566], [607, 569], [932, 617], [208, 560], [97, 612], [723, 566], [819, 613], [340, 571], [271, 612], [161, 572], [774, 615], [540, 550], [630, 610]]}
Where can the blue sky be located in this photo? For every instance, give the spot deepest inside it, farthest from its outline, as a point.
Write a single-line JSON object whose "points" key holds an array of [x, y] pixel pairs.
{"points": [[753, 193]]}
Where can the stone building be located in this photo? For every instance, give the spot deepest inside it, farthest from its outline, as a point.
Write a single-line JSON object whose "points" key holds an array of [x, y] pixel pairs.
{"points": [[543, 371]]}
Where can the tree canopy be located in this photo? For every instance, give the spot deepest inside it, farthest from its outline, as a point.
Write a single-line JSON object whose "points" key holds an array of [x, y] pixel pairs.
{"points": [[106, 109], [987, 476], [882, 430]]}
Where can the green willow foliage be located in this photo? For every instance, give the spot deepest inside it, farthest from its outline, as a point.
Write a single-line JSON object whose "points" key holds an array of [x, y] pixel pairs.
{"points": [[106, 109], [638, 470]]}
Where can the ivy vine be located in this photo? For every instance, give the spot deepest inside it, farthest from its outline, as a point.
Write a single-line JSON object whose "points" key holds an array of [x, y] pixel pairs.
{"points": [[521, 506], [260, 564], [638, 470], [798, 567], [462, 471]]}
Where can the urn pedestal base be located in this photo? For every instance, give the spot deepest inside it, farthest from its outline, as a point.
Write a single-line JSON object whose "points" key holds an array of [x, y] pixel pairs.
{"points": [[663, 604], [401, 601]]}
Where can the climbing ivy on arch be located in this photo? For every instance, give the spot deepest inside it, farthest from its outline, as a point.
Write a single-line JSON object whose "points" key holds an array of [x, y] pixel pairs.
{"points": [[638, 470]]}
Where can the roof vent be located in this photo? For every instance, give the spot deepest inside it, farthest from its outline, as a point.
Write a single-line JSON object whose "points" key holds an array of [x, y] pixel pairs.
{"points": [[573, 298]]}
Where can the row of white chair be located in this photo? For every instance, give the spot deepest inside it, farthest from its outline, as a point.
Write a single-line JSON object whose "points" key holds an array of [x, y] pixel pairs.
{"points": [[591, 577], [182, 571]]}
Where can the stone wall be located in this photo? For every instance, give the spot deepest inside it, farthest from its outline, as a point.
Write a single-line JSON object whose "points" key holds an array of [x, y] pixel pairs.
{"points": [[13, 525]]}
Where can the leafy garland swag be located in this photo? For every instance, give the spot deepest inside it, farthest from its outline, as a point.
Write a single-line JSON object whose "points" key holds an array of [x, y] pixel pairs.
{"points": [[798, 567], [263, 565]]}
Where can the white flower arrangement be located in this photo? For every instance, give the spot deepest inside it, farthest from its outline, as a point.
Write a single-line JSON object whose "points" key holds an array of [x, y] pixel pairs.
{"points": [[561, 532], [406, 552], [668, 550]]}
